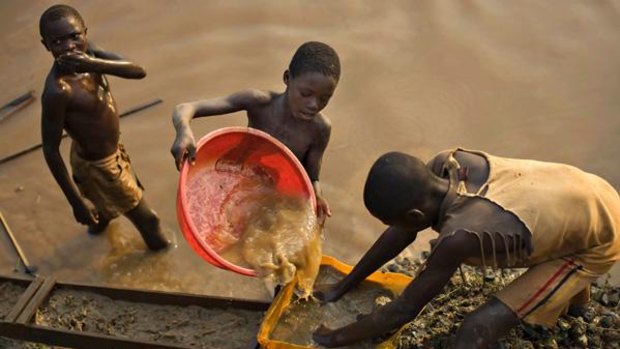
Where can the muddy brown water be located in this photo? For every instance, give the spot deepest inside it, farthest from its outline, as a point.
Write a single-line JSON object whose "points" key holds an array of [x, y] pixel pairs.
{"points": [[523, 79], [302, 317]]}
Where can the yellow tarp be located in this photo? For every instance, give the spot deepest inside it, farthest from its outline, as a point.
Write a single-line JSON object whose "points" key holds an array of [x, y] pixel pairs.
{"points": [[392, 281]]}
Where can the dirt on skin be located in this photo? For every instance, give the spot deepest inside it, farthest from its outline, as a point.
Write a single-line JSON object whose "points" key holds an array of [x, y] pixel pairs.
{"points": [[303, 317], [436, 326], [9, 294], [192, 326]]}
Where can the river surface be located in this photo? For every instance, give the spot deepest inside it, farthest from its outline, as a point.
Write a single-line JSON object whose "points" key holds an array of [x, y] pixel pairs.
{"points": [[528, 79]]}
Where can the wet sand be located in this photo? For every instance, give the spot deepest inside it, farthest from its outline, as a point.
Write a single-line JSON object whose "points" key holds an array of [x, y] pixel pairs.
{"points": [[9, 295], [191, 326], [522, 79]]}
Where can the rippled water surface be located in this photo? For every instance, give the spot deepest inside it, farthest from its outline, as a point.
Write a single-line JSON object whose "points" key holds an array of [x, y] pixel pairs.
{"points": [[523, 79]]}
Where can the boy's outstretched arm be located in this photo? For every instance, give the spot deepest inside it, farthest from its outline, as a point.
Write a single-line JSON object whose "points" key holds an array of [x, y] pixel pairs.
{"points": [[440, 267], [392, 242], [102, 62], [54, 106], [312, 164], [100, 52], [184, 146]]}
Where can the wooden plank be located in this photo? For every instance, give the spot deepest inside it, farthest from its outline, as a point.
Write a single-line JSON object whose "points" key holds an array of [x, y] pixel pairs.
{"points": [[79, 340], [169, 298], [36, 300], [24, 299], [22, 279]]}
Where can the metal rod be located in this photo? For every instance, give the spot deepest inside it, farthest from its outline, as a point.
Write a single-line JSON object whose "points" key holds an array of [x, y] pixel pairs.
{"points": [[16, 104], [28, 268], [37, 146]]}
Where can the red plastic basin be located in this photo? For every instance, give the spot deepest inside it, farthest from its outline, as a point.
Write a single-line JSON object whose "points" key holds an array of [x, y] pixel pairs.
{"points": [[204, 190]]}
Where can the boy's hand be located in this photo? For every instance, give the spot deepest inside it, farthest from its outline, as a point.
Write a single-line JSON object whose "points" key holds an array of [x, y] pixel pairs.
{"points": [[322, 210], [324, 336], [78, 62], [85, 213], [184, 147], [327, 293]]}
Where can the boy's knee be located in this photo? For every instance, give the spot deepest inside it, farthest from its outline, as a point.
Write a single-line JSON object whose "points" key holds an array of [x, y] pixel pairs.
{"points": [[485, 325], [476, 331]]}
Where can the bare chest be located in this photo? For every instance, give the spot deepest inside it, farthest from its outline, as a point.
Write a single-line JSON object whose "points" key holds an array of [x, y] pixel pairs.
{"points": [[91, 94], [298, 138]]}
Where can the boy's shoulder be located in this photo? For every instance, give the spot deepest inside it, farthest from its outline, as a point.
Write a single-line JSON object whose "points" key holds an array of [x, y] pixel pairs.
{"points": [[323, 123], [55, 87], [257, 97]]}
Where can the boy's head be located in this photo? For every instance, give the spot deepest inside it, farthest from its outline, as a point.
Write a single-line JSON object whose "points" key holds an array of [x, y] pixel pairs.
{"points": [[316, 57], [62, 30], [311, 79], [398, 190]]}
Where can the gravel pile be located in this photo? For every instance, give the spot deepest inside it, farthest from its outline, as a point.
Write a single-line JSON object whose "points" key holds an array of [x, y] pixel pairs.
{"points": [[435, 327]]}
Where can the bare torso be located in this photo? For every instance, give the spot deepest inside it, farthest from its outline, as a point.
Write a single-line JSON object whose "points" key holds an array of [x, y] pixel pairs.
{"points": [[91, 117], [300, 136]]}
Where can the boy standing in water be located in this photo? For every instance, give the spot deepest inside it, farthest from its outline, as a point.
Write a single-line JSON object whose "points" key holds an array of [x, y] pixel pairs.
{"points": [[77, 98], [293, 117], [558, 221]]}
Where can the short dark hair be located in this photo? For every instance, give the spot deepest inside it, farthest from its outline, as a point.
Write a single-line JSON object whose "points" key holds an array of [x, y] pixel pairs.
{"points": [[57, 12], [314, 56], [395, 184]]}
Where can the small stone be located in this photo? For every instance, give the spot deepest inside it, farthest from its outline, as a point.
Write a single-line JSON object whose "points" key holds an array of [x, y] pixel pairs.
{"points": [[604, 299], [550, 343], [614, 299], [382, 300], [583, 341], [20, 188], [606, 321], [563, 325]]}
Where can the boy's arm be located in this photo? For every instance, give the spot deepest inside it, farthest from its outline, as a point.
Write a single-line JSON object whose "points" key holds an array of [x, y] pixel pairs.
{"points": [[392, 242], [99, 52], [184, 145], [312, 165], [54, 105], [440, 267], [101, 62]]}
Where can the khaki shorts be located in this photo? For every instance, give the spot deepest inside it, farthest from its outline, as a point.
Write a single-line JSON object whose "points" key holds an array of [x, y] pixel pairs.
{"points": [[109, 183], [546, 290]]}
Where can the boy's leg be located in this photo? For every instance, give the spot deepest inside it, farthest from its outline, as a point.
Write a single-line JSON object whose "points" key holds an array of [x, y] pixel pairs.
{"points": [[101, 225], [579, 304], [147, 223], [485, 325]]}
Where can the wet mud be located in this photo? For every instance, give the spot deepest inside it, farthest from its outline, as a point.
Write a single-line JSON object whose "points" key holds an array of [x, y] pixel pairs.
{"points": [[192, 326], [9, 294]]}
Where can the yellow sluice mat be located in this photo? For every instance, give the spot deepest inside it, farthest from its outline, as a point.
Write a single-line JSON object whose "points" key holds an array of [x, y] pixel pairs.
{"points": [[283, 328]]}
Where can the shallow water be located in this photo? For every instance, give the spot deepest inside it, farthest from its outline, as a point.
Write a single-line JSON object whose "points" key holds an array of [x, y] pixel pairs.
{"points": [[302, 318], [525, 79]]}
